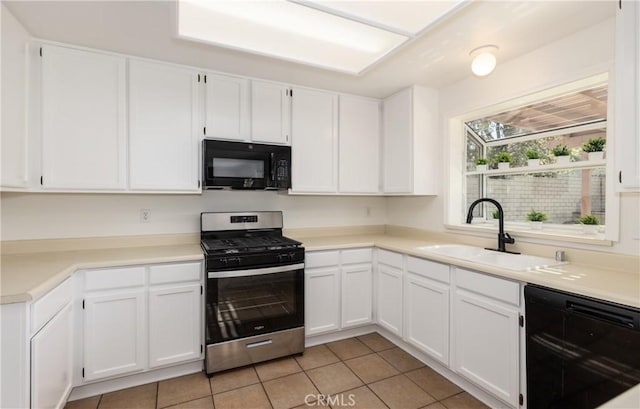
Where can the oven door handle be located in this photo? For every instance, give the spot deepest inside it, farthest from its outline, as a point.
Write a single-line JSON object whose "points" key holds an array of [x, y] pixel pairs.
{"points": [[255, 271]]}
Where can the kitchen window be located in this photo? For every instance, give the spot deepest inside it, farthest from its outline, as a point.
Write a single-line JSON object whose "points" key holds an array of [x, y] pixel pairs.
{"points": [[565, 190]]}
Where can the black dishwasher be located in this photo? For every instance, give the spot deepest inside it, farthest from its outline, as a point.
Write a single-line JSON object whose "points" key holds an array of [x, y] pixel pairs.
{"points": [[581, 352]]}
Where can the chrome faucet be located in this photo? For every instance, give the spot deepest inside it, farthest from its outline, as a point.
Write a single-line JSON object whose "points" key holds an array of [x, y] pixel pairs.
{"points": [[503, 238]]}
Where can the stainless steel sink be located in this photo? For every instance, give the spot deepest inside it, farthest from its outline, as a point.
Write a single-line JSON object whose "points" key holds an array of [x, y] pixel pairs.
{"points": [[515, 262]]}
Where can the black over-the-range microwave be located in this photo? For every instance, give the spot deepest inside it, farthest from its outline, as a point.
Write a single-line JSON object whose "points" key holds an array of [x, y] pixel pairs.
{"points": [[245, 165]]}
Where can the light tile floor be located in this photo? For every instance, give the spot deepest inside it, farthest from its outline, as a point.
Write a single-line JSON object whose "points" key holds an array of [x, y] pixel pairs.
{"points": [[367, 372]]}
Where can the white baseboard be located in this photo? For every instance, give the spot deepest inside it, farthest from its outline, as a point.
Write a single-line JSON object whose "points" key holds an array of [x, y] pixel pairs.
{"points": [[338, 335], [98, 388]]}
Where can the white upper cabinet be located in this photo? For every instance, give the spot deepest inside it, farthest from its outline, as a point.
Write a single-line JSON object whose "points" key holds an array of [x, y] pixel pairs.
{"points": [[83, 119], [163, 136], [314, 123], [270, 113], [627, 96], [13, 164], [359, 145], [410, 142], [226, 107]]}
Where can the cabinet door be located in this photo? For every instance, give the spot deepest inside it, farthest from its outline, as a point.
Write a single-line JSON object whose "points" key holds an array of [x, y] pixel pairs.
{"points": [[427, 316], [627, 96], [13, 133], [322, 300], [174, 324], [114, 334], [486, 345], [357, 291], [389, 298], [227, 107], [83, 119], [397, 145], [163, 106], [51, 362], [313, 145], [359, 145], [270, 113]]}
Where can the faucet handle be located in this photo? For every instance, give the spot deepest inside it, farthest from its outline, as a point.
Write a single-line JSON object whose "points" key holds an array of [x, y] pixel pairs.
{"points": [[508, 239]]}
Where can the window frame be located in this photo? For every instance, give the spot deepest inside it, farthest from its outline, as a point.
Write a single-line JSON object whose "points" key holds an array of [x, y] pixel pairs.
{"points": [[455, 202]]}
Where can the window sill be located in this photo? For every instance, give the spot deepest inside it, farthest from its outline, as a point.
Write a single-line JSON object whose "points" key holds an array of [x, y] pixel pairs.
{"points": [[556, 232], [586, 164]]}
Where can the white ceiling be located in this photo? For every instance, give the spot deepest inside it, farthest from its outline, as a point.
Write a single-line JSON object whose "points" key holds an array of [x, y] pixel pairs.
{"points": [[438, 58]]}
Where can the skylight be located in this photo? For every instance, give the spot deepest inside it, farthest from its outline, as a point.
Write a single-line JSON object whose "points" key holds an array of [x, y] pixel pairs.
{"points": [[580, 108], [341, 36]]}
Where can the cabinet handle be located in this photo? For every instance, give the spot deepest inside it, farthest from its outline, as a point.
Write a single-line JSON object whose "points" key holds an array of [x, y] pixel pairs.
{"points": [[620, 177]]}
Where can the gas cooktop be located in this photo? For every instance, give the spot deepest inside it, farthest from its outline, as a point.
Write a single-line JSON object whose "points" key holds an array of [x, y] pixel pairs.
{"points": [[237, 245]]}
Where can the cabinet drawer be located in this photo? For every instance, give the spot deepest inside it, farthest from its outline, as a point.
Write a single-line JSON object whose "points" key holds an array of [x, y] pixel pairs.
{"points": [[48, 305], [172, 273], [389, 258], [322, 259], [356, 256], [104, 279], [498, 288], [430, 269]]}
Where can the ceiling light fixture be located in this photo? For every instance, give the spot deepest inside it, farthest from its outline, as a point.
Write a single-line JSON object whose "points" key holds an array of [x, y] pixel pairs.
{"points": [[483, 60]]}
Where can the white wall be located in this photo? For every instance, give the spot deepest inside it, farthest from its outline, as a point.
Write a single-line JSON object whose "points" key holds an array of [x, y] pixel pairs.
{"points": [[580, 55], [41, 216]]}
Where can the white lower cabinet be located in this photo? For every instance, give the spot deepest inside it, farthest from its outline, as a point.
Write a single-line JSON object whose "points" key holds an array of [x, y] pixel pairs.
{"points": [[389, 291], [486, 333], [174, 324], [114, 334], [338, 290], [322, 299], [357, 287], [51, 378], [138, 318], [426, 303]]}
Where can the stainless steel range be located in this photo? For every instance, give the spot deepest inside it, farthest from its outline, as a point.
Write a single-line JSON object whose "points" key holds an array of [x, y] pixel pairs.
{"points": [[254, 289]]}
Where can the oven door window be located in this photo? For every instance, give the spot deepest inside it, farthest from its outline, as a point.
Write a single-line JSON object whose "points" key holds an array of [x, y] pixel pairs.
{"points": [[239, 307], [237, 168]]}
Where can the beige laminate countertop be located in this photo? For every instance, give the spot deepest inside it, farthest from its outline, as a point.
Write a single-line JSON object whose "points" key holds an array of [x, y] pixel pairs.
{"points": [[602, 283], [28, 276]]}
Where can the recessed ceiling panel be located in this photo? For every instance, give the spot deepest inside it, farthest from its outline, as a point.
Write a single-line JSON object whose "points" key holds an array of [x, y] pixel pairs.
{"points": [[288, 31], [410, 17]]}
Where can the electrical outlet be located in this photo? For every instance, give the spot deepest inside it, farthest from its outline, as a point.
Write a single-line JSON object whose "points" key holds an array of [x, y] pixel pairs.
{"points": [[145, 215]]}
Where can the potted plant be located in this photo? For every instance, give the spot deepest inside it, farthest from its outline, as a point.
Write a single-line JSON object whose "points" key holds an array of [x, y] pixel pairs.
{"points": [[481, 164], [533, 157], [503, 159], [495, 215], [595, 148], [536, 219], [590, 224], [562, 154]]}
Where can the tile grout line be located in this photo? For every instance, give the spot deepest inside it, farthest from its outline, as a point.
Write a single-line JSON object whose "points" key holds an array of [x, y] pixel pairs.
{"points": [[262, 386]]}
